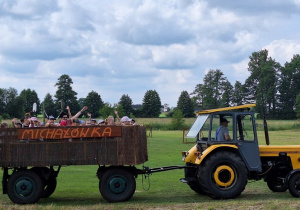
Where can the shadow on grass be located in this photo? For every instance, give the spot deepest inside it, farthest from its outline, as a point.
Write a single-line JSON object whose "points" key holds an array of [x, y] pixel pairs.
{"points": [[171, 198]]}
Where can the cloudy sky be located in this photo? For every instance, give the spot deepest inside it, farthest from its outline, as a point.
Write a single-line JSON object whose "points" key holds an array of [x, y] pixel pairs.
{"points": [[121, 47]]}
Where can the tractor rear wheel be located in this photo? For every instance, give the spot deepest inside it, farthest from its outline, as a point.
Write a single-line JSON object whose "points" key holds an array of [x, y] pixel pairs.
{"points": [[223, 175], [294, 185]]}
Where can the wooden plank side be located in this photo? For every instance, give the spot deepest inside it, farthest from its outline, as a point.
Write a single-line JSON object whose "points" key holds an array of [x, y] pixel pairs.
{"points": [[128, 149]]}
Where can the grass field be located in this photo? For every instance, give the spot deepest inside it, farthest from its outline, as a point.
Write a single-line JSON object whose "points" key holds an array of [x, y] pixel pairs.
{"points": [[78, 185]]}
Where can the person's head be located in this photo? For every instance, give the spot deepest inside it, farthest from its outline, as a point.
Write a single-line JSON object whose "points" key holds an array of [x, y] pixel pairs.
{"points": [[4, 125], [27, 115], [224, 122], [110, 120], [34, 120], [18, 124], [63, 116], [93, 121], [101, 122], [126, 120], [75, 122], [51, 121]]}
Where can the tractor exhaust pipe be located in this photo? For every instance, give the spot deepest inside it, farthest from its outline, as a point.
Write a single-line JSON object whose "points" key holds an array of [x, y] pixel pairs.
{"points": [[266, 131]]}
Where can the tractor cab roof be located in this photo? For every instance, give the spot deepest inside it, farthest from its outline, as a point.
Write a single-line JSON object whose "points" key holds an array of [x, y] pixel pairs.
{"points": [[241, 107]]}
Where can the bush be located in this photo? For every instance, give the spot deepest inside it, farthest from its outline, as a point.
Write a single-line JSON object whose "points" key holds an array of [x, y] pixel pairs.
{"points": [[177, 122]]}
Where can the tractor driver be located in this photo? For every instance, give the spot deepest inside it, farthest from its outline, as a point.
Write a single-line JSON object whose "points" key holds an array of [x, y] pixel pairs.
{"points": [[222, 133]]}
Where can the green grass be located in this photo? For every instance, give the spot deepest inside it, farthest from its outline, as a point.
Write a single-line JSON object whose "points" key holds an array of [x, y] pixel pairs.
{"points": [[78, 185]]}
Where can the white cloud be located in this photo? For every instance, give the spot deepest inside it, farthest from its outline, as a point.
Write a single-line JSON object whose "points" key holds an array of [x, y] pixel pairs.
{"points": [[128, 47], [241, 71], [283, 50]]}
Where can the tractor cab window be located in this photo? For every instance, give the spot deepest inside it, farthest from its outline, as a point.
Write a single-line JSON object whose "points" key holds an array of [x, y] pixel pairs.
{"points": [[244, 128], [222, 127], [199, 127]]}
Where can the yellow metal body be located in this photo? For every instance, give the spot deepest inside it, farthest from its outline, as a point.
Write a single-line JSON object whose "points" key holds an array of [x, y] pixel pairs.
{"points": [[195, 157], [293, 151], [245, 106]]}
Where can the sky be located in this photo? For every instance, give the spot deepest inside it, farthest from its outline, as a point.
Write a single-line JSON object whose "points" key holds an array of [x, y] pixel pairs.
{"points": [[119, 47]]}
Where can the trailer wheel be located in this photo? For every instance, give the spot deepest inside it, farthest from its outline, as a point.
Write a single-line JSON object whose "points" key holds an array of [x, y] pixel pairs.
{"points": [[276, 185], [49, 187], [294, 185], [48, 180], [117, 185], [223, 175], [192, 179], [24, 187]]}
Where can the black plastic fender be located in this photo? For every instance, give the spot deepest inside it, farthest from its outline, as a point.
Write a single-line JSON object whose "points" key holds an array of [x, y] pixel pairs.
{"points": [[287, 178]]}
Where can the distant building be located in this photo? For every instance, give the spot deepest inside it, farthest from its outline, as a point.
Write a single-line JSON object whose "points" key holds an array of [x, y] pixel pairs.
{"points": [[165, 108]]}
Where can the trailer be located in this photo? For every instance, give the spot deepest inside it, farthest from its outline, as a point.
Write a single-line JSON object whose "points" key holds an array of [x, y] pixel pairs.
{"points": [[31, 159]]}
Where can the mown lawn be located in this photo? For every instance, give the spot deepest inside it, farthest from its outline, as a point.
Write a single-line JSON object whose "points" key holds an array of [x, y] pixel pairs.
{"points": [[78, 185]]}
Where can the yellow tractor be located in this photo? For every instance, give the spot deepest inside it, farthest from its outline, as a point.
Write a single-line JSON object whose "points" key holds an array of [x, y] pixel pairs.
{"points": [[220, 167]]}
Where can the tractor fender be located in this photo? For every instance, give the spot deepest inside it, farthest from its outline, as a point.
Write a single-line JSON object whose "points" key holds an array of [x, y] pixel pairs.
{"points": [[287, 178], [213, 148]]}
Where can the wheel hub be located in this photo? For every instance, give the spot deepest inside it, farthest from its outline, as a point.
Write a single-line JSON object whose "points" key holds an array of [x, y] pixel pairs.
{"points": [[117, 185], [224, 176], [24, 187]]}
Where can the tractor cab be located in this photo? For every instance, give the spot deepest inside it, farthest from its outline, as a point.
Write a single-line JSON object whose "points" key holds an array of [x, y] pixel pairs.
{"points": [[233, 128]]}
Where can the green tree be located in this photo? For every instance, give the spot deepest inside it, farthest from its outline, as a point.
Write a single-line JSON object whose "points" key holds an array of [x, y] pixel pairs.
{"points": [[107, 110], [238, 96], [65, 96], [94, 103], [185, 104], [14, 103], [151, 104], [226, 92], [214, 92], [126, 103], [2, 101], [263, 82], [81, 102], [120, 110], [30, 97], [297, 106], [177, 122], [49, 105], [289, 87]]}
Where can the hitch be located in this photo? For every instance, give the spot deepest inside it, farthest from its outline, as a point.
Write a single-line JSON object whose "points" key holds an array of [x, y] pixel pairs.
{"points": [[147, 170]]}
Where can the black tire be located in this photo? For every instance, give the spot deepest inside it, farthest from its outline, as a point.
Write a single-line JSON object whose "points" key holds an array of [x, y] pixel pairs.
{"points": [[192, 179], [48, 179], [294, 185], [24, 187], [117, 185], [223, 175], [49, 187], [276, 185]]}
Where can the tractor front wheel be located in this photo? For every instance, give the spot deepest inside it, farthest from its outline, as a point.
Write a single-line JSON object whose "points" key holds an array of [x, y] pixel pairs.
{"points": [[223, 175], [276, 185]]}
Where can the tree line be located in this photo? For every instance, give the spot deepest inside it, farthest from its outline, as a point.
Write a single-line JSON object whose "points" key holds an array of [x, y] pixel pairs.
{"points": [[274, 88], [13, 105]]}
